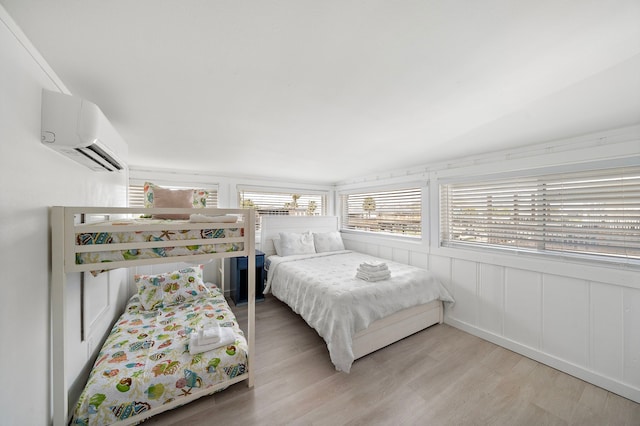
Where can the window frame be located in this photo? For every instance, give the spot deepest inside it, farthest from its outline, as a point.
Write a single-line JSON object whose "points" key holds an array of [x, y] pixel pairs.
{"points": [[421, 186], [323, 194], [535, 173]]}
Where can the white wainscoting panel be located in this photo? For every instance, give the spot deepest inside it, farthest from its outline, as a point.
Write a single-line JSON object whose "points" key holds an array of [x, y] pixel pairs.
{"points": [[631, 320], [607, 330], [370, 249], [464, 279], [419, 260], [491, 298], [565, 318], [401, 256], [440, 266], [96, 302], [385, 252], [361, 247], [523, 310]]}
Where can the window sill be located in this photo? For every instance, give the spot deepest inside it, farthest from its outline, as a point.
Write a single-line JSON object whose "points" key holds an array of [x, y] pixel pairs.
{"points": [[582, 267]]}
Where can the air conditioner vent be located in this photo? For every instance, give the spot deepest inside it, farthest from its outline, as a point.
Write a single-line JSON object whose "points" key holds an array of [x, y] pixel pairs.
{"points": [[98, 155], [78, 129]]}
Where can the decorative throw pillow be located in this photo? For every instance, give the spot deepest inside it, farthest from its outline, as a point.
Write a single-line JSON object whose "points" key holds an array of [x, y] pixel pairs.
{"points": [[199, 196], [163, 197], [294, 243], [150, 291], [157, 291], [328, 241]]}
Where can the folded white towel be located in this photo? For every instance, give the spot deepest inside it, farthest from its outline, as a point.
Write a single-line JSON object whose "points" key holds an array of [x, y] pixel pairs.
{"points": [[197, 217], [374, 274], [373, 266], [207, 336], [373, 277], [374, 263], [227, 337]]}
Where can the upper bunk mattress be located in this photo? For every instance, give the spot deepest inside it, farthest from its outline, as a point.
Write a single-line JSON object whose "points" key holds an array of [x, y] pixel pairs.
{"points": [[136, 233]]}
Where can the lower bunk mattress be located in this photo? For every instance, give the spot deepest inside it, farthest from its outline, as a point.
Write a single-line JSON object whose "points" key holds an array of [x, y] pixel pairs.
{"points": [[145, 364]]}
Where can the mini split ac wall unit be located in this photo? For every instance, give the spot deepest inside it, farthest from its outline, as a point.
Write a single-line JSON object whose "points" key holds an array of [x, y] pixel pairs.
{"points": [[78, 129]]}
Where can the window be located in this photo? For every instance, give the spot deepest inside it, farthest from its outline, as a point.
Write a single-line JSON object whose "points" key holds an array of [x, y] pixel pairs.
{"points": [[397, 212], [286, 202], [593, 212], [136, 192]]}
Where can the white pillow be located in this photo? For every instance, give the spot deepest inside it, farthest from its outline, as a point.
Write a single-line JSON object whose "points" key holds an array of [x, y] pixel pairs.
{"points": [[294, 243], [328, 241], [277, 245]]}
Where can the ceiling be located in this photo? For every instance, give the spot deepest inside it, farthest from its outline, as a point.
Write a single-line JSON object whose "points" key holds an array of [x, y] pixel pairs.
{"points": [[324, 91]]}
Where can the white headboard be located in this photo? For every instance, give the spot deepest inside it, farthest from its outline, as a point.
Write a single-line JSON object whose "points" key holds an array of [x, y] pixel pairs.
{"points": [[273, 225]]}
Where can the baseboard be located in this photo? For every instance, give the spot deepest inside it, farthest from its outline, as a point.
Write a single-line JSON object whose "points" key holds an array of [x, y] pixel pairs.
{"points": [[610, 384]]}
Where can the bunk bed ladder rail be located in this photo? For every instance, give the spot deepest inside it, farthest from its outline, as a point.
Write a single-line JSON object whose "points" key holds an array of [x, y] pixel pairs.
{"points": [[60, 398]]}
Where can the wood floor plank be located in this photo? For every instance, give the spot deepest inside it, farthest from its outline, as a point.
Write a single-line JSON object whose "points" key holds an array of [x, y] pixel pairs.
{"points": [[439, 376]]}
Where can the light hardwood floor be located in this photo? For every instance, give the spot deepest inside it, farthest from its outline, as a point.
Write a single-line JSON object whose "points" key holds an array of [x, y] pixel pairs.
{"points": [[440, 376]]}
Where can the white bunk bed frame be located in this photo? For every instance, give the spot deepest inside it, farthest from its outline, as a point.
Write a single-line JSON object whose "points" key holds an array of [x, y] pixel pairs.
{"points": [[380, 333], [63, 261]]}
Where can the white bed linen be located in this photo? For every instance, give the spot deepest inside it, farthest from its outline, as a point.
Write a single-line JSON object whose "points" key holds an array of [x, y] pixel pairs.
{"points": [[324, 290]]}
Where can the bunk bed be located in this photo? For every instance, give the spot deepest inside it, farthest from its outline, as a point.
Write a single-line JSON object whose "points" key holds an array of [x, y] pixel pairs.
{"points": [[355, 317], [124, 240]]}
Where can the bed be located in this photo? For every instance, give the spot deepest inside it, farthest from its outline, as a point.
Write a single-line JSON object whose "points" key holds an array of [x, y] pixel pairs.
{"points": [[355, 317], [146, 362], [146, 365]]}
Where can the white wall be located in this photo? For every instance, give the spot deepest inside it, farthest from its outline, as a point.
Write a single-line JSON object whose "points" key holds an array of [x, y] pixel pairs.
{"points": [[580, 317], [33, 177]]}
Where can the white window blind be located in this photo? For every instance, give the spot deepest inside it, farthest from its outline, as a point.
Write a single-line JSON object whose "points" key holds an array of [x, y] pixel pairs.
{"points": [[136, 193], [281, 203], [389, 212], [593, 212]]}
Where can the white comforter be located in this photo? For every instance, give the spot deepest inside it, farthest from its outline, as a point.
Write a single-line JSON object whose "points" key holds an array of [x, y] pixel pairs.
{"points": [[324, 290]]}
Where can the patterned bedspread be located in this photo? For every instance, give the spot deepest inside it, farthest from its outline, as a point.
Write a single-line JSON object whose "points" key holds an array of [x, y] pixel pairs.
{"points": [[120, 234], [145, 361]]}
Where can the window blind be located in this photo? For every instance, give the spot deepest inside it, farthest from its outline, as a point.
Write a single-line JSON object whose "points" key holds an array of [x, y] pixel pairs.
{"points": [[281, 203], [389, 212], [594, 212], [136, 194]]}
